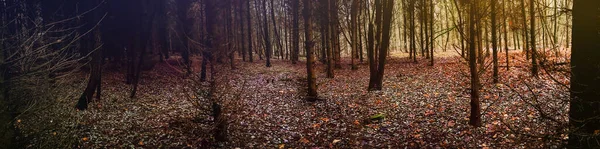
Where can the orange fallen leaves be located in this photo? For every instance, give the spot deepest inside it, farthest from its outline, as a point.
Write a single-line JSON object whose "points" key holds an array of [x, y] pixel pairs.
{"points": [[317, 125], [304, 140], [85, 139], [324, 119]]}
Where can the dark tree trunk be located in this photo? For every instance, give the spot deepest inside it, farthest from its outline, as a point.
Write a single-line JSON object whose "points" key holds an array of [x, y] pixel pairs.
{"points": [[328, 38], [431, 30], [308, 45], [413, 42], [249, 24], [92, 41], [295, 31], [494, 42], [384, 11], [186, 28], [268, 48], [475, 117], [276, 31], [585, 83]]}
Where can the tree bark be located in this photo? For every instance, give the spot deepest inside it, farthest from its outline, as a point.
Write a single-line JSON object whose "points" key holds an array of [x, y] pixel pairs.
{"points": [[249, 24], [534, 65], [295, 32], [384, 10], [585, 84], [354, 31], [308, 45], [494, 42], [268, 48], [475, 117]]}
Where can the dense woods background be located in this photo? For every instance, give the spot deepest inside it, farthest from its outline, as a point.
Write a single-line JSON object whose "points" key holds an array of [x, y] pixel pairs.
{"points": [[299, 73]]}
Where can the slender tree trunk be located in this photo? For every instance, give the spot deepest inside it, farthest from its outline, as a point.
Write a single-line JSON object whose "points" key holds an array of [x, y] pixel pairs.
{"points": [[413, 42], [534, 65], [268, 47], [505, 34], [475, 117], [249, 25], [329, 39], [354, 31], [431, 30], [295, 31], [525, 34], [308, 45], [494, 42], [275, 31]]}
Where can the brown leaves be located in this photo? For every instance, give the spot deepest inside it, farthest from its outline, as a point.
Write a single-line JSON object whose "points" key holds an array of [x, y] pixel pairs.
{"points": [[303, 140]]}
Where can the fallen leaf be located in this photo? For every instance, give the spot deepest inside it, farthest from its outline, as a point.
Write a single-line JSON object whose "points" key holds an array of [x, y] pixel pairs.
{"points": [[85, 139], [304, 140], [317, 125], [141, 143], [336, 141], [451, 124], [281, 146]]}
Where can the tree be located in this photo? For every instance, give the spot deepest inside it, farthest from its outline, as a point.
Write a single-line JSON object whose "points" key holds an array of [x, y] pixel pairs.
{"points": [[494, 42], [475, 117], [308, 46], [268, 48], [249, 24], [585, 84], [377, 64], [142, 24], [431, 31], [295, 31], [354, 31], [534, 65], [525, 37], [505, 33], [413, 44], [92, 41]]}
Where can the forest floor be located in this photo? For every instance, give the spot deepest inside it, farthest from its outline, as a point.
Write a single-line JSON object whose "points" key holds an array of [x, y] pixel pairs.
{"points": [[422, 107]]}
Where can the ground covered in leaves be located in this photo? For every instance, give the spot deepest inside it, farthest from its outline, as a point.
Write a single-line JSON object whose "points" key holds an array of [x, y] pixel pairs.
{"points": [[420, 106]]}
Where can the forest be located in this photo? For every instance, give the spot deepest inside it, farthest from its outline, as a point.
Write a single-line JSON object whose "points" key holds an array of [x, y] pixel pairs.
{"points": [[300, 74]]}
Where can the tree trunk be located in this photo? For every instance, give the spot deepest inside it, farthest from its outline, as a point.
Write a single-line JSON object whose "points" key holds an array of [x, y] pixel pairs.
{"points": [[494, 42], [525, 37], [95, 72], [431, 30], [268, 48], [534, 66], [384, 10], [585, 84], [505, 34], [413, 46], [295, 32], [475, 117], [249, 24], [354, 31], [308, 45], [328, 37], [275, 31]]}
